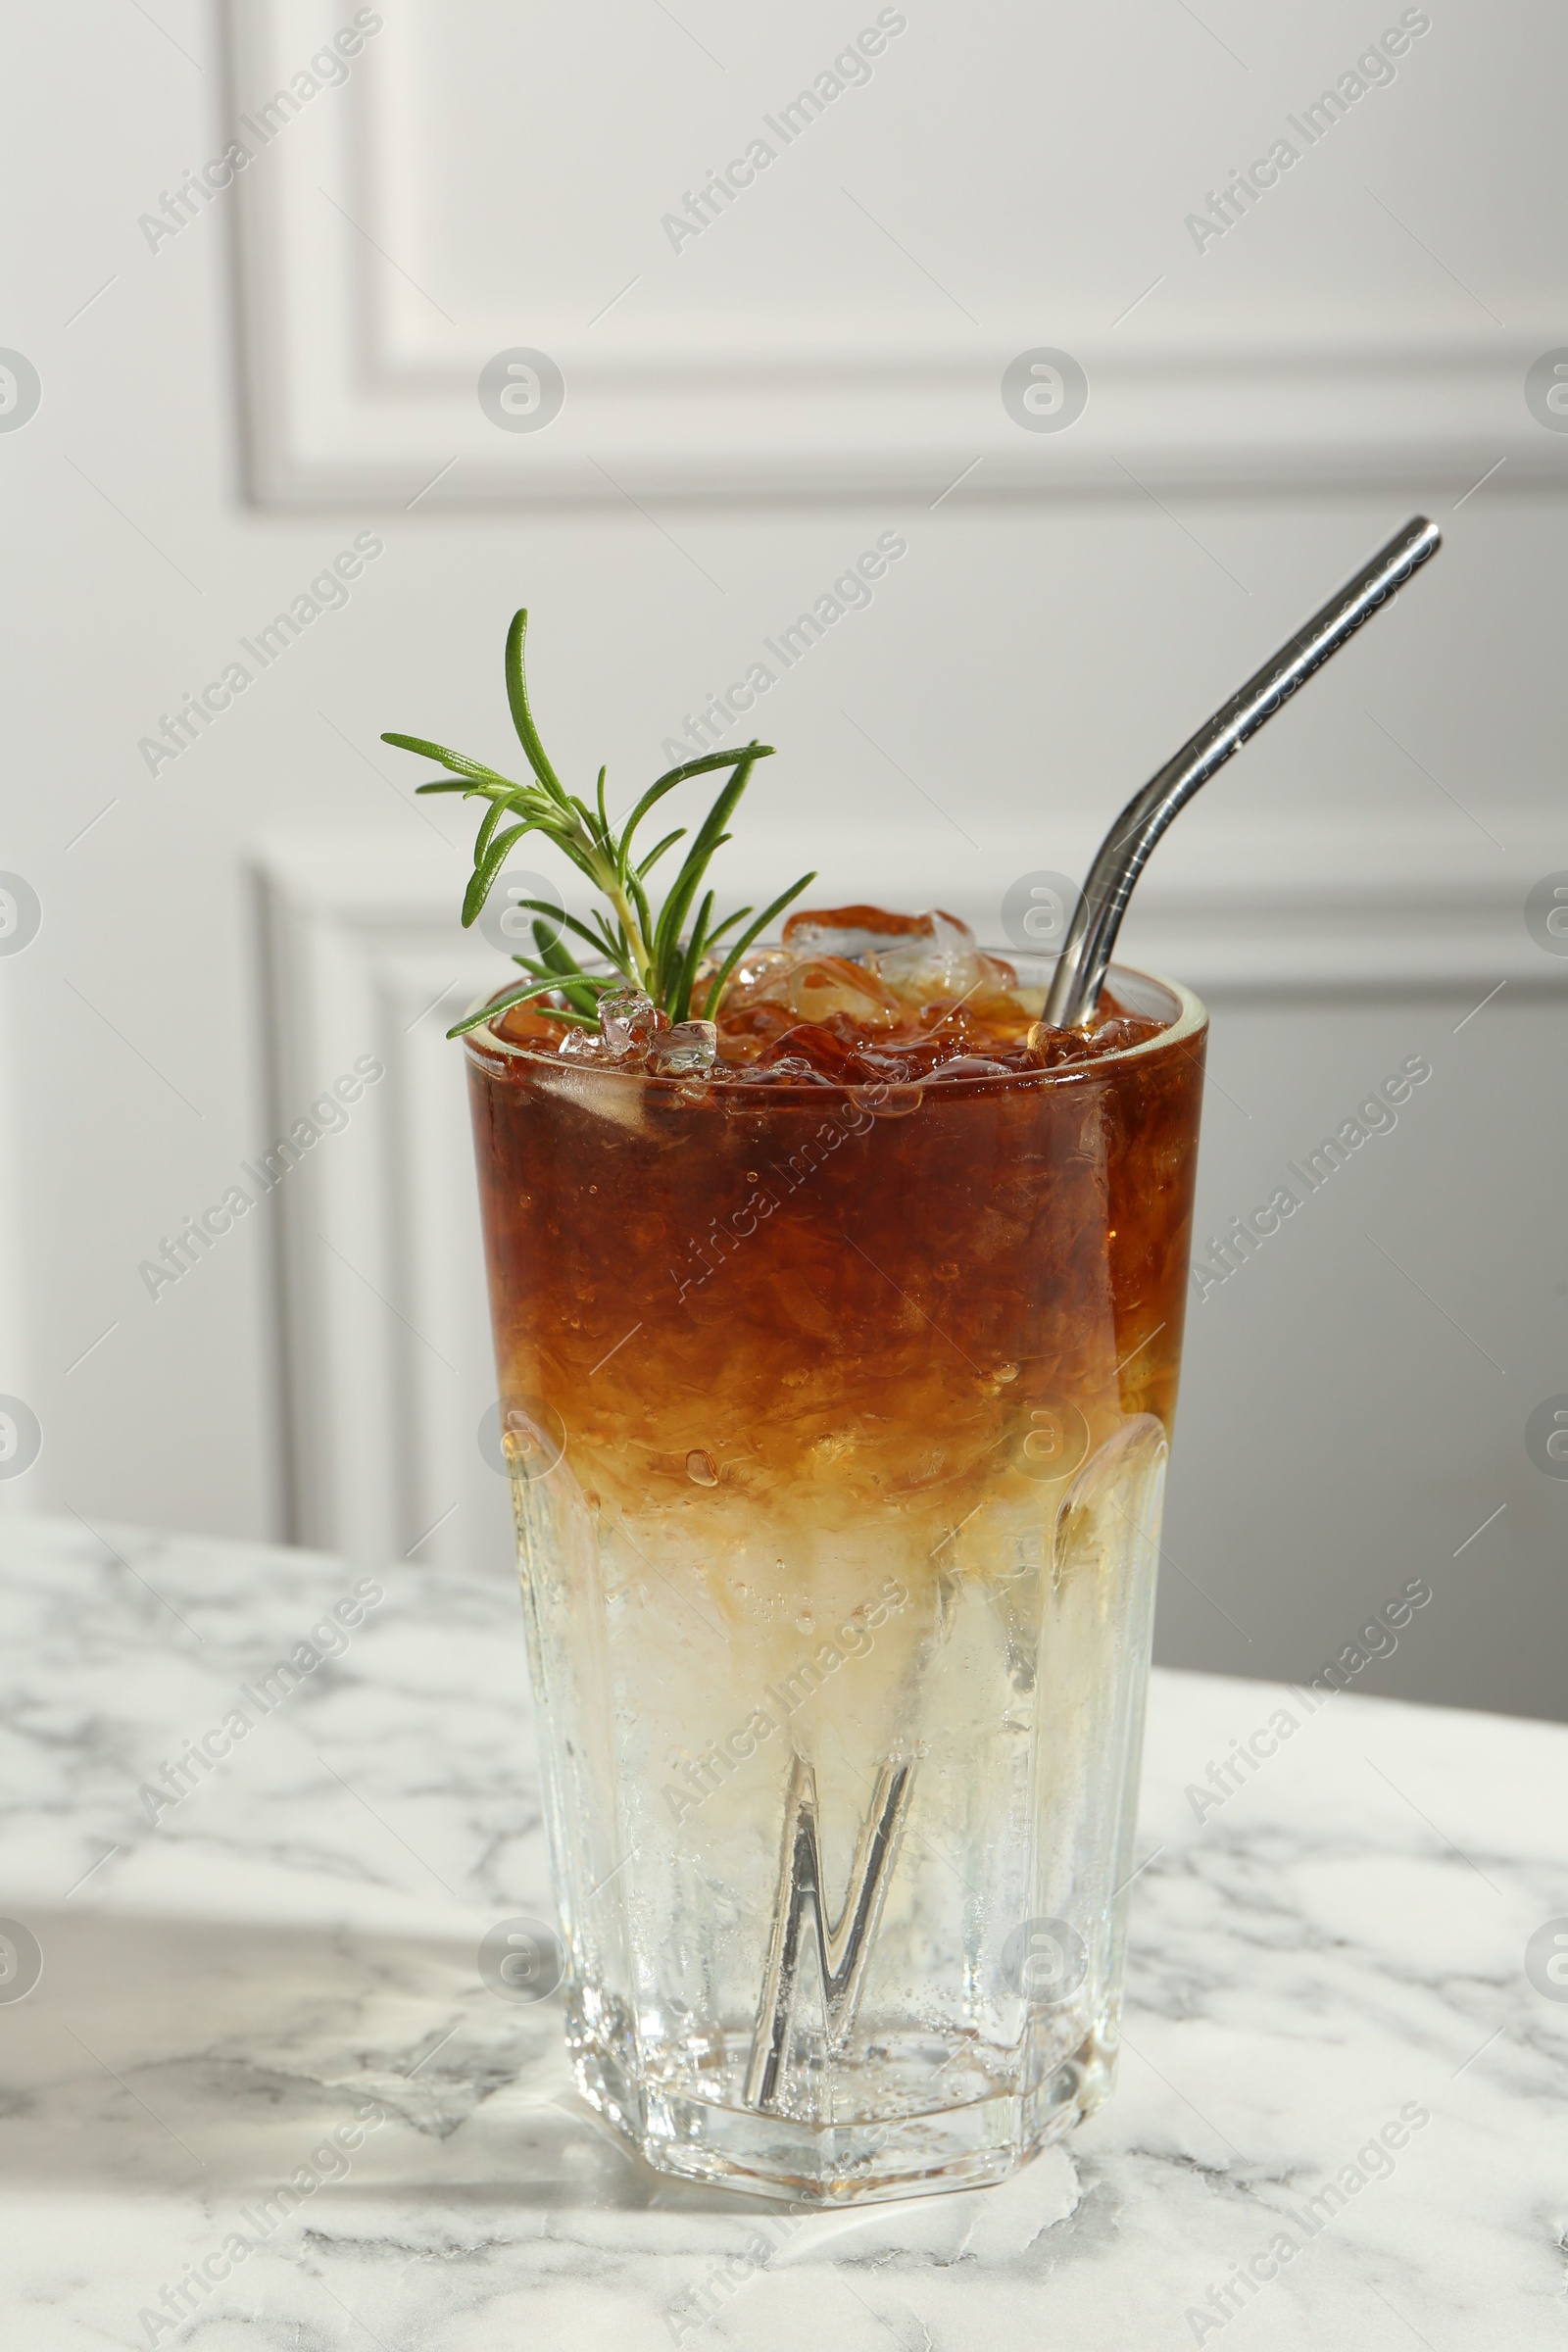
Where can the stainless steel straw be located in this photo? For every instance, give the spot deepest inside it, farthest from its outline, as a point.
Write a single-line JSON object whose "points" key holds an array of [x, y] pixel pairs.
{"points": [[1124, 852], [843, 1945]]}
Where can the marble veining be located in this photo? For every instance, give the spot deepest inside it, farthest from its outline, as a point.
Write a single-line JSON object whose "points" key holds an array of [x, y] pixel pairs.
{"points": [[260, 2024]]}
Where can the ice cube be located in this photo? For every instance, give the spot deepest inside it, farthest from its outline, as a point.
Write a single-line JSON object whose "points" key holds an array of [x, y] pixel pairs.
{"points": [[603, 1092], [587, 1045], [828, 984], [852, 931], [1052, 1047], [758, 977], [941, 962], [1112, 1035], [630, 1021], [687, 1046]]}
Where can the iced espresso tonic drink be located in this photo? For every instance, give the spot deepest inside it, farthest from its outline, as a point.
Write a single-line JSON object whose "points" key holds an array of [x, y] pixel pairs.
{"points": [[838, 1349]]}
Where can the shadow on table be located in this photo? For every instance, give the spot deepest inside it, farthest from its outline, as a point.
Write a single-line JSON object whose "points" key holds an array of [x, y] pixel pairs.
{"points": [[221, 2058]]}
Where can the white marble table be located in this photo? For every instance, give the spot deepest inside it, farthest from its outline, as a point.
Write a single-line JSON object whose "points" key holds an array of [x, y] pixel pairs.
{"points": [[291, 1945]]}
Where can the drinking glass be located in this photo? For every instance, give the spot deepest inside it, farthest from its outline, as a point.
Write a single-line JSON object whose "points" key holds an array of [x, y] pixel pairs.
{"points": [[837, 1421]]}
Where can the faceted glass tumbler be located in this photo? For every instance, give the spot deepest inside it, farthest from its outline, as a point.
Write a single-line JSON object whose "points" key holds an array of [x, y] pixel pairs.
{"points": [[837, 1420]]}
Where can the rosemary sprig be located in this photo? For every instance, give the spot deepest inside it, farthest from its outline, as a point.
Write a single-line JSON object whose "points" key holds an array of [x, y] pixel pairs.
{"points": [[655, 953]]}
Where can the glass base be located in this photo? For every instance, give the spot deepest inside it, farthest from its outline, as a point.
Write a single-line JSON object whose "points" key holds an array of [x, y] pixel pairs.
{"points": [[905, 2147]]}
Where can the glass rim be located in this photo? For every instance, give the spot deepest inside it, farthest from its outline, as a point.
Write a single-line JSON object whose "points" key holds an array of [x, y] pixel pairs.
{"points": [[1192, 1016]]}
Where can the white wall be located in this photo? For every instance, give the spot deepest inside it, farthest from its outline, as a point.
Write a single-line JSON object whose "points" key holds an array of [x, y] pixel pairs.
{"points": [[1052, 633]]}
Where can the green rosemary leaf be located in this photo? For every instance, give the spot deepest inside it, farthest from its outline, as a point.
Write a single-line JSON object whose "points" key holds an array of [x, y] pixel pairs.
{"points": [[655, 954], [681, 1001], [584, 857], [504, 1004], [593, 980], [602, 942], [484, 874], [719, 929], [522, 714], [684, 886], [639, 898], [587, 821], [746, 938], [558, 958], [678, 775], [497, 809], [653, 855], [551, 949], [617, 948], [459, 761]]}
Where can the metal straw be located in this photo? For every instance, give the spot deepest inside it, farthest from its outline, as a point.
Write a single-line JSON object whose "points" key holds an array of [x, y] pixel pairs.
{"points": [[1124, 852], [843, 1945]]}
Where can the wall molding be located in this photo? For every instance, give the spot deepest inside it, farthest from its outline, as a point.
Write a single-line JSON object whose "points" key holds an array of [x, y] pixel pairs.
{"points": [[363, 388]]}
